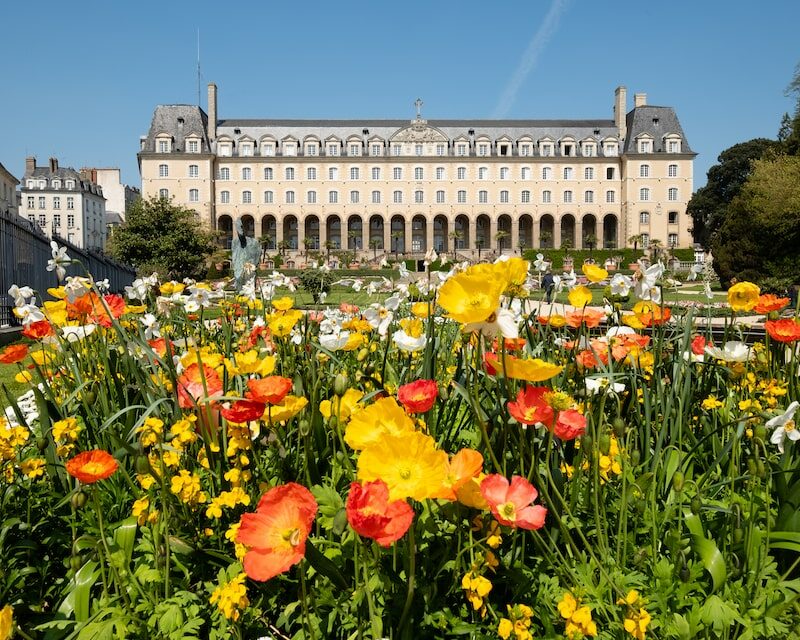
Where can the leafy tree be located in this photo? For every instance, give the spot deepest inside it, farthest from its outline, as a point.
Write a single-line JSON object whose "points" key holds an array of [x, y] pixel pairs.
{"points": [[709, 205], [760, 236], [790, 131], [160, 236]]}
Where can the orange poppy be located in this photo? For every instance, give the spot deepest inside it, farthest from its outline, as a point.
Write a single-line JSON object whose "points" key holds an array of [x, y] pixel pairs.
{"points": [[372, 516], [14, 353], [37, 330], [243, 411], [590, 317], [276, 533], [269, 390], [195, 383], [570, 424], [461, 468], [770, 302], [511, 502], [784, 330], [91, 466], [418, 396], [530, 406]]}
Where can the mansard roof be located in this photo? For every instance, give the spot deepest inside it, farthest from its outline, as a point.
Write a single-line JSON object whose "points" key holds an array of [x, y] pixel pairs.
{"points": [[178, 121], [657, 122]]}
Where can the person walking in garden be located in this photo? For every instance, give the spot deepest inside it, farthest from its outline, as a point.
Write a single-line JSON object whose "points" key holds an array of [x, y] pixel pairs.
{"points": [[548, 283]]}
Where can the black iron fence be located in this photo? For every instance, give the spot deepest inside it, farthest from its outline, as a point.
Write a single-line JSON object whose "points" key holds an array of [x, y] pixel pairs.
{"points": [[24, 252]]}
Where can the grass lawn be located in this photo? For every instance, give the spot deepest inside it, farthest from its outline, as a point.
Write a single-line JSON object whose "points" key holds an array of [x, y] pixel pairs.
{"points": [[15, 389]]}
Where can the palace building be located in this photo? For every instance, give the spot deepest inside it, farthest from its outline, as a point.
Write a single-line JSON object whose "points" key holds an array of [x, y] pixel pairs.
{"points": [[405, 186]]}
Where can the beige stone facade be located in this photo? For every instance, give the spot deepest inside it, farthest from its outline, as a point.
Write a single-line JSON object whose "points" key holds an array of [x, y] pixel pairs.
{"points": [[8, 191], [393, 186]]}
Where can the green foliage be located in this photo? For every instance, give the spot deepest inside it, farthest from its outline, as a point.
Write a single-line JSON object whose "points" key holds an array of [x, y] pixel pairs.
{"points": [[316, 282], [709, 205], [160, 236], [760, 236]]}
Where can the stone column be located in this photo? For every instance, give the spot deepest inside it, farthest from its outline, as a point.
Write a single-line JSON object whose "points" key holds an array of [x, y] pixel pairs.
{"points": [[556, 231], [323, 233], [301, 235], [428, 234], [514, 239], [579, 232], [387, 235], [409, 234]]}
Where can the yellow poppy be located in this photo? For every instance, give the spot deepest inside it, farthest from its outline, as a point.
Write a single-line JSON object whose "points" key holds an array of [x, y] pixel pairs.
{"points": [[381, 418], [579, 296], [470, 298], [531, 370], [743, 296], [594, 273]]}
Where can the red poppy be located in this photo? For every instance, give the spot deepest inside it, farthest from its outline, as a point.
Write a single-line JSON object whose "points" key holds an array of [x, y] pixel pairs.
{"points": [[243, 411], [698, 345], [270, 390], [783, 330], [276, 533], [159, 345], [261, 331], [91, 466], [490, 363], [111, 306], [195, 383], [531, 407], [418, 396], [37, 330], [511, 503], [770, 302], [570, 424], [14, 353], [372, 516]]}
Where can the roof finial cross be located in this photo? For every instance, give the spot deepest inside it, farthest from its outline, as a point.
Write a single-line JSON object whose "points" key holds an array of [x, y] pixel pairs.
{"points": [[418, 104]]}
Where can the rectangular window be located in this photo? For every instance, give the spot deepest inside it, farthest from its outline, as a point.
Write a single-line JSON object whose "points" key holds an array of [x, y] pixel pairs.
{"points": [[246, 150], [397, 197], [672, 195], [504, 197], [194, 171], [417, 149], [644, 194], [568, 197], [547, 150], [483, 149], [645, 146], [440, 197], [462, 197], [483, 197], [609, 173], [610, 197], [645, 240], [483, 173], [289, 173], [376, 150], [311, 149], [355, 149], [672, 239], [588, 173], [163, 146], [672, 171], [644, 217], [397, 173], [225, 196], [589, 150], [162, 193], [247, 173], [57, 221], [354, 197], [376, 173], [268, 173], [333, 173], [42, 220], [672, 217], [440, 149], [440, 173], [194, 195], [41, 202], [333, 149], [70, 221], [193, 146], [525, 197], [547, 173], [418, 173], [311, 197], [461, 150], [333, 197], [644, 171], [269, 197], [461, 173], [290, 197], [56, 203], [163, 171], [247, 197], [354, 173], [31, 202], [311, 173], [504, 173], [547, 196], [674, 146], [268, 150], [376, 197], [567, 173], [418, 197], [397, 150], [525, 150], [224, 173], [588, 197]]}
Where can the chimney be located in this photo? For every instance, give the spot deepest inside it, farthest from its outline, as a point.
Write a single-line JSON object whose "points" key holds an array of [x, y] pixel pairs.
{"points": [[53, 165], [30, 165], [212, 111], [620, 100], [639, 100]]}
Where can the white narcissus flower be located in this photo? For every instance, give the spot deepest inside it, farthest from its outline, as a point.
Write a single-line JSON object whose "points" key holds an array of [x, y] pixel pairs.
{"points": [[502, 322], [784, 426], [151, 327], [540, 264], [28, 313], [78, 332], [570, 279], [21, 295], [409, 343], [334, 341], [621, 285], [732, 351], [696, 270], [602, 384], [59, 259], [645, 286]]}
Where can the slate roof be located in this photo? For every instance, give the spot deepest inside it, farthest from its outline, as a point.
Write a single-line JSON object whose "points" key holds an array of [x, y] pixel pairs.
{"points": [[63, 173], [8, 174], [166, 119], [658, 122]]}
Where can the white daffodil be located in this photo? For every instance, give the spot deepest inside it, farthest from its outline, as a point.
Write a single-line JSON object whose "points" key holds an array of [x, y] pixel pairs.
{"points": [[784, 426], [151, 326], [731, 351], [645, 286], [430, 257], [76, 333], [696, 270], [21, 295], [402, 269], [103, 286], [569, 280], [604, 385], [503, 322], [621, 285], [59, 260], [707, 291], [409, 343], [540, 264], [77, 288], [334, 341], [380, 316], [384, 263], [28, 313]]}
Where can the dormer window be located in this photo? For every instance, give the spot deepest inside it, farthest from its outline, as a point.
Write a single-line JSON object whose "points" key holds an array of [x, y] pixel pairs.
{"points": [[30, 184], [267, 148], [589, 149], [610, 149], [311, 149], [224, 149], [56, 184], [672, 144], [546, 149], [246, 149], [42, 184], [354, 150], [645, 146], [333, 149], [193, 146], [524, 149], [69, 184], [289, 149], [164, 145]]}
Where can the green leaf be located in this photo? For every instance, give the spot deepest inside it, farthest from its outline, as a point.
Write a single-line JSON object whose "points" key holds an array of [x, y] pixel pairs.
{"points": [[325, 566], [330, 503], [718, 614], [707, 550], [784, 540], [79, 597]]}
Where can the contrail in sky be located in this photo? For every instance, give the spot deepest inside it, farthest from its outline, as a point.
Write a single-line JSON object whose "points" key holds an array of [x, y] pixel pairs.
{"points": [[530, 57]]}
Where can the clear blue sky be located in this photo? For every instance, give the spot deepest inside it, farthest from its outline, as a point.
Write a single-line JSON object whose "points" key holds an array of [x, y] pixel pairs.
{"points": [[80, 80]]}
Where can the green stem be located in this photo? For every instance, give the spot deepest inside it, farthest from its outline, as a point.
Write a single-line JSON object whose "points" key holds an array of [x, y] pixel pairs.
{"points": [[412, 567]]}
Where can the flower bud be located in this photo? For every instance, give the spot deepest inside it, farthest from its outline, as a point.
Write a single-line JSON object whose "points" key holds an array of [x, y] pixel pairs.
{"points": [[78, 500], [677, 481], [340, 384], [619, 427]]}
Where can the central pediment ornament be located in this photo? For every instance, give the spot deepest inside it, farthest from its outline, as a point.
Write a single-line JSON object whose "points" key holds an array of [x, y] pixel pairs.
{"points": [[419, 131]]}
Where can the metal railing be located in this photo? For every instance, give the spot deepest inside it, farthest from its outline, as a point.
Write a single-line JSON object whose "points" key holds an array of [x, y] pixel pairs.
{"points": [[24, 252]]}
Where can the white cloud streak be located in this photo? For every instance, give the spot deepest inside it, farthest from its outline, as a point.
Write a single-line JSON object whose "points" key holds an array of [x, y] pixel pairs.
{"points": [[531, 56]]}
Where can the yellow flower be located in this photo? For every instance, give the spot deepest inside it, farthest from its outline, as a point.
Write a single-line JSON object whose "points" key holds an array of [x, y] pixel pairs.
{"points": [[635, 621], [531, 370], [556, 321], [231, 598], [409, 464], [289, 408], [282, 304], [344, 406], [32, 468], [470, 298], [381, 418], [171, 288], [711, 403], [183, 432], [743, 296], [579, 296], [66, 430], [594, 273], [632, 320], [251, 362], [577, 619], [186, 486], [420, 309], [6, 622], [505, 628], [150, 432], [477, 588]]}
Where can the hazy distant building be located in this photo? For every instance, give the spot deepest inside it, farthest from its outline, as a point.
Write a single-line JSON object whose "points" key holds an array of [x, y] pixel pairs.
{"points": [[119, 197], [410, 185], [8, 191], [63, 203]]}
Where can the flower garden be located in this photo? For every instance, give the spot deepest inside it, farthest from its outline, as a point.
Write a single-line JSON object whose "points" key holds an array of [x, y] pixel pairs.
{"points": [[448, 461]]}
